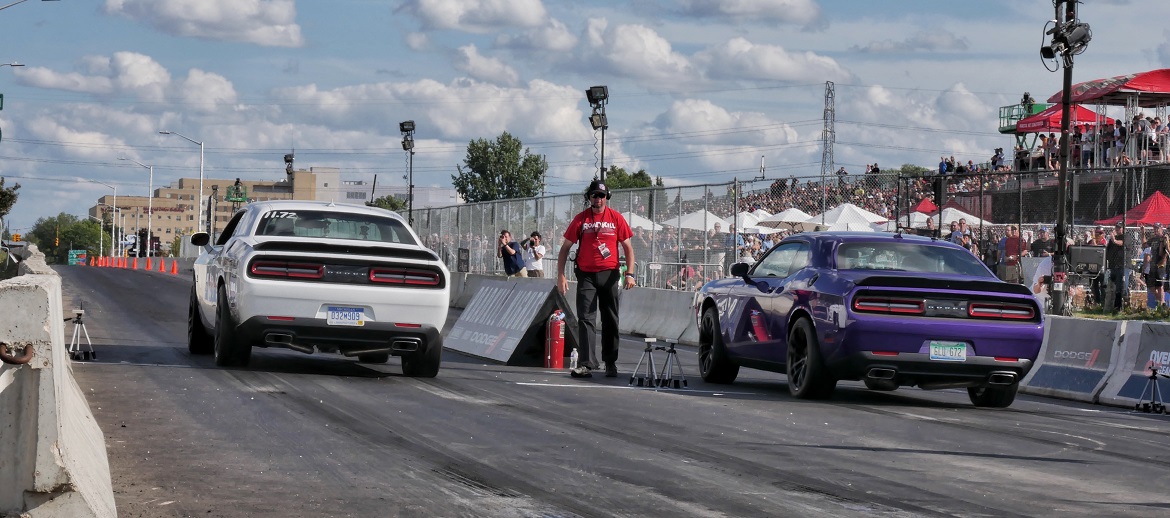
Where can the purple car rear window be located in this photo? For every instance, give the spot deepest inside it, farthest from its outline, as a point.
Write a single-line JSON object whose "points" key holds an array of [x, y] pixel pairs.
{"points": [[909, 257]]}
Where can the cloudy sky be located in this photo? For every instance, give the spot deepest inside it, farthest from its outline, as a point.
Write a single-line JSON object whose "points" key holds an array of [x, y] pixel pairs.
{"points": [[700, 90]]}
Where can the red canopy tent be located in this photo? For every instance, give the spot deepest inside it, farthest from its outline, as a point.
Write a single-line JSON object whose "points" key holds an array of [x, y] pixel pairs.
{"points": [[1155, 209], [1150, 89], [925, 206], [1049, 119]]}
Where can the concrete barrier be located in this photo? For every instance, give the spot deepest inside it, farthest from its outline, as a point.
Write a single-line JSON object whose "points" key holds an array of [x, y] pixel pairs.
{"points": [[1076, 358], [471, 285], [1146, 346], [54, 460]]}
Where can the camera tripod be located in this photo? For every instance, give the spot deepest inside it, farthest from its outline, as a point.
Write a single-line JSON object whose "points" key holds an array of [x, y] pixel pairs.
{"points": [[1156, 404], [664, 378], [75, 352]]}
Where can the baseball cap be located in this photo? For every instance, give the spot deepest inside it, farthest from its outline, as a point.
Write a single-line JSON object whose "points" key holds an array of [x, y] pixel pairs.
{"points": [[1044, 229], [1119, 225], [1158, 225]]}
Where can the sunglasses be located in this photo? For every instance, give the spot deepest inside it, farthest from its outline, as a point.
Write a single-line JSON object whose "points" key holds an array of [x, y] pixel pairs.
{"points": [[597, 195]]}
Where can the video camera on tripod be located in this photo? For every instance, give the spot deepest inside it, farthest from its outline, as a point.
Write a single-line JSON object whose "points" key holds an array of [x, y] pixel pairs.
{"points": [[1156, 404]]}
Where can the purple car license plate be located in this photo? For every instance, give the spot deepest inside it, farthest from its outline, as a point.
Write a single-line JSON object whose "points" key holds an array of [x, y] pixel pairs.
{"points": [[948, 351]]}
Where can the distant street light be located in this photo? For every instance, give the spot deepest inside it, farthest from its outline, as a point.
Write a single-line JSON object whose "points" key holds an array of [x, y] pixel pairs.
{"points": [[13, 64], [149, 207], [115, 222], [199, 198]]}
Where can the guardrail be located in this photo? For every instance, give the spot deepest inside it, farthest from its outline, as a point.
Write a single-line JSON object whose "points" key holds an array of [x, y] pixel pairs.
{"points": [[54, 460]]}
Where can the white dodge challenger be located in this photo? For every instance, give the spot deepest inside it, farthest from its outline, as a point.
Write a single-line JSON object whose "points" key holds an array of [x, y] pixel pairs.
{"points": [[319, 277]]}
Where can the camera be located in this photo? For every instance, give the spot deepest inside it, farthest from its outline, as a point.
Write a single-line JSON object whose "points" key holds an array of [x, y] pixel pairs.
{"points": [[79, 312]]}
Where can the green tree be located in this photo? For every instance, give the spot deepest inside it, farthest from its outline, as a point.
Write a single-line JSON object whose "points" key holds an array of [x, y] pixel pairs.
{"points": [[389, 203], [7, 197], [914, 170], [618, 178], [497, 170], [71, 232]]}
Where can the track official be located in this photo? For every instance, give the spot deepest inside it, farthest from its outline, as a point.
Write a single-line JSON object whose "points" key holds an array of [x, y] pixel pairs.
{"points": [[597, 231]]}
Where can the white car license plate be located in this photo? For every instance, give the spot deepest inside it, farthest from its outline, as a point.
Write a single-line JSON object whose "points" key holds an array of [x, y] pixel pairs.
{"points": [[948, 351], [345, 316]]}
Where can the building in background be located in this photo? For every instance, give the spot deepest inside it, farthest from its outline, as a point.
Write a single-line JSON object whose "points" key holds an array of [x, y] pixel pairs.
{"points": [[175, 208]]}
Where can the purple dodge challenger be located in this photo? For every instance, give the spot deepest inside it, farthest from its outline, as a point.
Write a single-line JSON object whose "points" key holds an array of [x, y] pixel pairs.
{"points": [[890, 309]]}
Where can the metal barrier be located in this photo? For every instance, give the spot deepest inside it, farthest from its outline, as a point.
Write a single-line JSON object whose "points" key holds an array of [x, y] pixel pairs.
{"points": [[693, 225]]}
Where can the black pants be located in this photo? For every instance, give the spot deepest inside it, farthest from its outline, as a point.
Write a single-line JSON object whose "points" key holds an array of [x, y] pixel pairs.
{"points": [[600, 290]]}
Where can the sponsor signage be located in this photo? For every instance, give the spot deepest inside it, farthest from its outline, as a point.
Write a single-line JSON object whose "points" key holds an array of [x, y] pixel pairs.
{"points": [[505, 319], [1077, 357], [1153, 354]]}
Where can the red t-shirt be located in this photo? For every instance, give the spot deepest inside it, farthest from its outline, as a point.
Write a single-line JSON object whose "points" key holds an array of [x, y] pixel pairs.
{"points": [[608, 228]]}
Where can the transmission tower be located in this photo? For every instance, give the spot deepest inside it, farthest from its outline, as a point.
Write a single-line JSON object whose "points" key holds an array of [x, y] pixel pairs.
{"points": [[828, 136]]}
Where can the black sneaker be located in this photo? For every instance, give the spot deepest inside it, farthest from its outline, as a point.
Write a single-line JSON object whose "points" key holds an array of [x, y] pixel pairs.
{"points": [[610, 370], [581, 372]]}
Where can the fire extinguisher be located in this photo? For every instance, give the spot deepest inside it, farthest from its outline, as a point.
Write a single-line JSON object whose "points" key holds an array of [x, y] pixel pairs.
{"points": [[759, 326], [554, 341]]}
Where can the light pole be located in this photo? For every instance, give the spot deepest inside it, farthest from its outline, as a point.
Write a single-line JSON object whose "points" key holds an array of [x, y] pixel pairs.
{"points": [[598, 97], [1069, 38], [199, 198], [407, 129], [115, 222], [149, 205], [13, 64]]}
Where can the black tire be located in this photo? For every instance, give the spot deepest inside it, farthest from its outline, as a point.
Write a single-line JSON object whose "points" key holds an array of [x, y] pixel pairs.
{"points": [[993, 396], [199, 341], [230, 351], [374, 358], [424, 363], [714, 365], [807, 376]]}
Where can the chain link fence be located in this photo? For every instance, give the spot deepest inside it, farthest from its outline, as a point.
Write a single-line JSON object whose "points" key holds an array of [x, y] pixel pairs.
{"points": [[684, 236]]}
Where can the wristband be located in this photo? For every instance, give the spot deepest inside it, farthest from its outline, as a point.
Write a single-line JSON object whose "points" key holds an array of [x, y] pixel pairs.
{"points": [[629, 275]]}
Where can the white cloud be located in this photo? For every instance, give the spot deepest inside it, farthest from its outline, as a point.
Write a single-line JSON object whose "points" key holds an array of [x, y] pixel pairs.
{"points": [[741, 59], [417, 41], [137, 76], [469, 61], [553, 36], [921, 41], [459, 111], [205, 91], [800, 12], [269, 23], [71, 82], [635, 51], [477, 16]]}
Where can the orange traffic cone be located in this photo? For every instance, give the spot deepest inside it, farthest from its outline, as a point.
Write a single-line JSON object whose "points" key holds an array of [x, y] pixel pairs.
{"points": [[91, 261], [162, 265], [148, 264], [174, 267], [134, 264]]}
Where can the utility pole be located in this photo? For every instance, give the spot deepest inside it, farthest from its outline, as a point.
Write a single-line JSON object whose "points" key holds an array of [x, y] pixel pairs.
{"points": [[828, 137], [1069, 38]]}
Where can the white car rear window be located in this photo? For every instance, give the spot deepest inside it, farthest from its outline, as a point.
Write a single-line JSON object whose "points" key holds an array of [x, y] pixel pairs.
{"points": [[333, 225]]}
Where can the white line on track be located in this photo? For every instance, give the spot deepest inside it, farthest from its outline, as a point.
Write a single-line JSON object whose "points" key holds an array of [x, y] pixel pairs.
{"points": [[627, 387]]}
